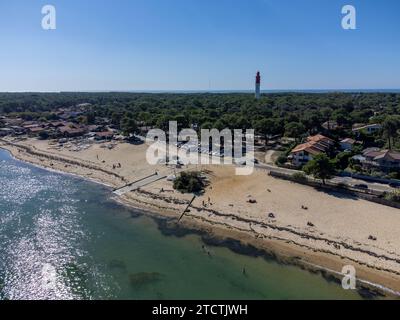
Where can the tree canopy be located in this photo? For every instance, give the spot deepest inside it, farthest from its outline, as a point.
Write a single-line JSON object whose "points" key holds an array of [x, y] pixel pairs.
{"points": [[189, 182], [321, 167], [292, 114]]}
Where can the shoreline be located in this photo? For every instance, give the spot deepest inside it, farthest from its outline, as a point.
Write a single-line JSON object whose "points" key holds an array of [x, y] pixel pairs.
{"points": [[169, 227], [216, 233]]}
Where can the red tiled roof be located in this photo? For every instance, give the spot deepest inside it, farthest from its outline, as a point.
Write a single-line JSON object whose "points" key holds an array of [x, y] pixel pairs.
{"points": [[37, 129], [104, 134], [388, 155], [383, 154], [30, 126], [70, 130], [57, 123], [315, 145], [320, 138], [310, 147]]}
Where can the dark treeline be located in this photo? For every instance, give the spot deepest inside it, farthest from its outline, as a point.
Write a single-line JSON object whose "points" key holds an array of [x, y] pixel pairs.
{"points": [[277, 113]]}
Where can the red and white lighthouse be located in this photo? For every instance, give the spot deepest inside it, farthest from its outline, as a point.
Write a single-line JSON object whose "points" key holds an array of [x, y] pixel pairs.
{"points": [[258, 85]]}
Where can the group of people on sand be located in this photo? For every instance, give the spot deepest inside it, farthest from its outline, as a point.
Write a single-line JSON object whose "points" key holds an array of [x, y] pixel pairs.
{"points": [[208, 203], [118, 165], [115, 166]]}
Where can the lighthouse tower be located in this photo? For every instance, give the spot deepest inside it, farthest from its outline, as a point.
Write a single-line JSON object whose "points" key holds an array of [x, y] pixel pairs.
{"points": [[258, 86]]}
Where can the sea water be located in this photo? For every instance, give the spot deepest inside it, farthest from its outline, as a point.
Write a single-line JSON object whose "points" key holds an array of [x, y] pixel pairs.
{"points": [[63, 237]]}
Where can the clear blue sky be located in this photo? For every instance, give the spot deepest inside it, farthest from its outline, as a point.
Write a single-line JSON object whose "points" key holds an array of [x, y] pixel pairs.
{"points": [[198, 45]]}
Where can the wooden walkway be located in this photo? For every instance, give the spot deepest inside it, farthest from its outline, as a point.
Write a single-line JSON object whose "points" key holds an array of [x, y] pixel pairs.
{"points": [[138, 184], [186, 209]]}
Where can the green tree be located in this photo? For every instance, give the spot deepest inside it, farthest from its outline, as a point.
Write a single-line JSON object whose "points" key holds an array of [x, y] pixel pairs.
{"points": [[342, 160], [207, 125], [129, 126], [43, 135], [321, 167], [391, 125], [90, 118], [265, 127], [116, 118], [342, 117], [219, 124], [162, 122], [312, 121], [182, 121], [189, 182], [294, 130]]}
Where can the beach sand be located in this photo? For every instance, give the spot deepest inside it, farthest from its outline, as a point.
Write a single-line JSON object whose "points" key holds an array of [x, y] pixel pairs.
{"points": [[332, 232]]}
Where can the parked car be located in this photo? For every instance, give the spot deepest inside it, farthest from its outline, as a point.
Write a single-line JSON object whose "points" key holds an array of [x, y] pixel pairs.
{"points": [[394, 185], [361, 186]]}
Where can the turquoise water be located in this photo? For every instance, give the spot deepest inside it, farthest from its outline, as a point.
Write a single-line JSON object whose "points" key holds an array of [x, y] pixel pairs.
{"points": [[64, 238]]}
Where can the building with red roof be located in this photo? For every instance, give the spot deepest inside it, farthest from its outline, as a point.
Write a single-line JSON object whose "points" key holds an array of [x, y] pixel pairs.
{"points": [[305, 152]]}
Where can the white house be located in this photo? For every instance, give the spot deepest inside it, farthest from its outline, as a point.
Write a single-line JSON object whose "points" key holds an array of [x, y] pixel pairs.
{"points": [[368, 128], [384, 160], [347, 144], [305, 152]]}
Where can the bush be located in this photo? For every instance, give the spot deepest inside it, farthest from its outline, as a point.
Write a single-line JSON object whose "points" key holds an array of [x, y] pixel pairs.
{"points": [[393, 196], [357, 168], [377, 174], [299, 177], [189, 182], [43, 135], [281, 160], [393, 175]]}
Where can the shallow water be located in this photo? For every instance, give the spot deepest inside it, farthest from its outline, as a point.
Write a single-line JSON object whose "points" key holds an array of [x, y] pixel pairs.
{"points": [[64, 238]]}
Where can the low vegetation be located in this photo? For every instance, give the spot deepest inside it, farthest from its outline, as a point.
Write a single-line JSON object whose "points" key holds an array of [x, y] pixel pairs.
{"points": [[299, 177], [189, 182], [393, 196]]}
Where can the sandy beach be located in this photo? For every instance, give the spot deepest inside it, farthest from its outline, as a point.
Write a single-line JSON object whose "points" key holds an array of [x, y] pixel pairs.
{"points": [[301, 225]]}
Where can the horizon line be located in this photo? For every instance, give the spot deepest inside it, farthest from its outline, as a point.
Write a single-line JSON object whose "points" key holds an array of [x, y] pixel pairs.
{"points": [[221, 91]]}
